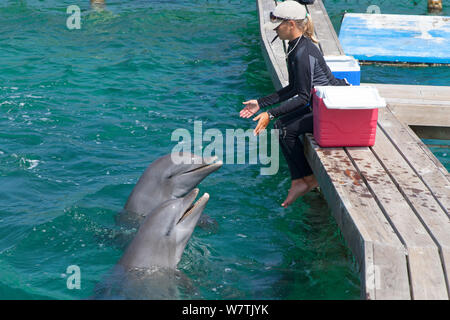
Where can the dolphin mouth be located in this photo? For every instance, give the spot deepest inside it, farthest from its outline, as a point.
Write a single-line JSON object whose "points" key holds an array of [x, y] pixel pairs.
{"points": [[194, 206], [210, 165]]}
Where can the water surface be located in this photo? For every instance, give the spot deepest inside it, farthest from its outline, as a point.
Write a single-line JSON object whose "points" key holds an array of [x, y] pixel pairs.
{"points": [[84, 112]]}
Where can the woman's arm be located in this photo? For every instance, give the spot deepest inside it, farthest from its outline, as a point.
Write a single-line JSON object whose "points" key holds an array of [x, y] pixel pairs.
{"points": [[279, 96], [301, 86], [253, 106]]}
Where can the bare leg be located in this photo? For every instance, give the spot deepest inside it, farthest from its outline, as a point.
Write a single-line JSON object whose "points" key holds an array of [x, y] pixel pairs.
{"points": [[300, 187]]}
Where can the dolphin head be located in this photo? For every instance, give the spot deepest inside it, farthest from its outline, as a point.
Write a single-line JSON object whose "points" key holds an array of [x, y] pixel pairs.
{"points": [[187, 171], [169, 177], [164, 234]]}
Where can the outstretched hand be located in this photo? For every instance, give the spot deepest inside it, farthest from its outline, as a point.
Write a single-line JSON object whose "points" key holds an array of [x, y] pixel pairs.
{"points": [[251, 107], [262, 123]]}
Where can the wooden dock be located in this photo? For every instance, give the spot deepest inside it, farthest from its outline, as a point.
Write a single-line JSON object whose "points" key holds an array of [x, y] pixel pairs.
{"points": [[391, 201]]}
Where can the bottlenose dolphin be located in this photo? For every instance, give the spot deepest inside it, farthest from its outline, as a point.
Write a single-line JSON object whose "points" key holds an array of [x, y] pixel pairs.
{"points": [[164, 179], [147, 268], [164, 234]]}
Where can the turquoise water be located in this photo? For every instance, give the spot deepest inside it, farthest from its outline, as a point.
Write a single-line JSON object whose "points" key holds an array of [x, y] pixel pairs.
{"points": [[83, 113]]}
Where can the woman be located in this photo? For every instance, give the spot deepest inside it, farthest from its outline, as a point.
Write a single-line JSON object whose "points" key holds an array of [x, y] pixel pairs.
{"points": [[307, 68]]}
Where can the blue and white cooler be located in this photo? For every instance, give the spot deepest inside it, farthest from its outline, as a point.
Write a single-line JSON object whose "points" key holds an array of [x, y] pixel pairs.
{"points": [[345, 67]]}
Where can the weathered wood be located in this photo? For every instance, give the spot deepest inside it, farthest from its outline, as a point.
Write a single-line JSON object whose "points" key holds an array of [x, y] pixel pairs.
{"points": [[384, 275], [424, 115], [361, 221], [419, 197], [426, 166], [411, 93], [431, 156], [328, 39], [426, 284], [417, 105], [430, 132], [391, 265], [273, 52], [431, 282], [422, 102]]}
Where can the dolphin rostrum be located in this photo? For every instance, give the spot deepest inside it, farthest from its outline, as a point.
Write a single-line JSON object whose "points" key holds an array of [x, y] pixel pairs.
{"points": [[146, 270], [163, 180]]}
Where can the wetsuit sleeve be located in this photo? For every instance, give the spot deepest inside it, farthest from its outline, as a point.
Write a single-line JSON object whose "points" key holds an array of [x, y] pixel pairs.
{"points": [[301, 86], [279, 96]]}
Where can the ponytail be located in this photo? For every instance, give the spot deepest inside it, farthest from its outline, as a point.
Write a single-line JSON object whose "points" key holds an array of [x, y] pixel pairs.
{"points": [[307, 27]]}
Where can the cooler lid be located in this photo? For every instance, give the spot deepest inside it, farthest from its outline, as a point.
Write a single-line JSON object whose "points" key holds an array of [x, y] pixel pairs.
{"points": [[350, 97], [342, 63]]}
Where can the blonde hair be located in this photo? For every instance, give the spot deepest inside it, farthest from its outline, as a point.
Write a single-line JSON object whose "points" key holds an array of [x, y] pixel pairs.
{"points": [[307, 27]]}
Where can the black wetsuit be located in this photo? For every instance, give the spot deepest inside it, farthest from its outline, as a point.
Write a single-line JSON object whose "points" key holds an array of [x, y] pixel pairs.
{"points": [[307, 68]]}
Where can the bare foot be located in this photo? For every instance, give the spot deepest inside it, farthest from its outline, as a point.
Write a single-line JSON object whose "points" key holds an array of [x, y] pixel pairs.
{"points": [[311, 181], [300, 187]]}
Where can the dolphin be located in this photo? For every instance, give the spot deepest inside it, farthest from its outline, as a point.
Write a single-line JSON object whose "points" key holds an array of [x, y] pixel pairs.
{"points": [[164, 234], [165, 179], [147, 269]]}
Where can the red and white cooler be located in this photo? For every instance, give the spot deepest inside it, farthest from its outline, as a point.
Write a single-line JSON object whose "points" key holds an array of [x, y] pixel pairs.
{"points": [[346, 116]]}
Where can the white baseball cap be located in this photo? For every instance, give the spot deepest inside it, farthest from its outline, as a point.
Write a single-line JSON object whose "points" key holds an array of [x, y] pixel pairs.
{"points": [[287, 10]]}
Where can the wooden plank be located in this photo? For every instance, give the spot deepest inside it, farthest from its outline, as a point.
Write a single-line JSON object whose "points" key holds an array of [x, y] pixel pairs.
{"points": [[417, 105], [426, 283], [367, 273], [338, 172], [324, 30], [426, 166], [386, 116], [391, 266], [439, 166], [422, 114], [273, 52], [361, 221], [431, 132], [406, 38], [431, 283], [429, 212], [383, 275], [420, 198], [439, 94], [419, 102]]}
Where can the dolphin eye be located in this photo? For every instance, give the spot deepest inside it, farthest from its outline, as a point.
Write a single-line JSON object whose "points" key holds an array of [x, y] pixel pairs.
{"points": [[169, 230], [169, 175]]}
